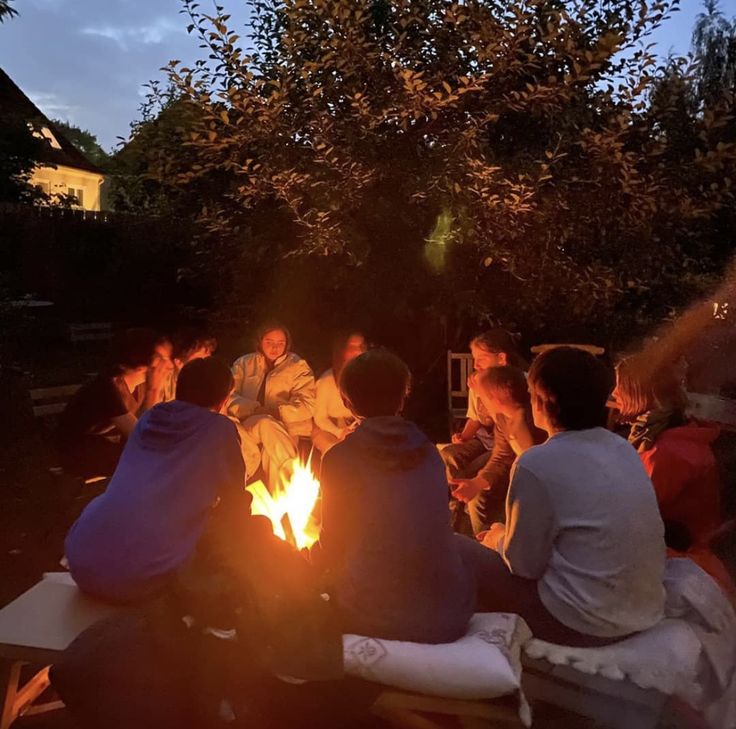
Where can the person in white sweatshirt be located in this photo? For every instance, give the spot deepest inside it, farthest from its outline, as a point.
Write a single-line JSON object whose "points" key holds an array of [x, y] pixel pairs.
{"points": [[581, 556], [332, 419], [273, 399]]}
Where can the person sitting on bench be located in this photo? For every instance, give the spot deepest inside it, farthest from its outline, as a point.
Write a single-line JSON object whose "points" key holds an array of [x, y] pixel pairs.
{"points": [[182, 457], [480, 453], [504, 394], [581, 557], [386, 542], [332, 420], [187, 344], [677, 454], [274, 400], [102, 414]]}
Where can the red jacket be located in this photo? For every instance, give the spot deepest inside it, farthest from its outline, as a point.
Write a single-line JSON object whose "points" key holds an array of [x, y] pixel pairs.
{"points": [[683, 470]]}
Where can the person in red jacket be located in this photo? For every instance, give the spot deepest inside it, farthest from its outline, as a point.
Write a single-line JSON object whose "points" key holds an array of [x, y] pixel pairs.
{"points": [[678, 456]]}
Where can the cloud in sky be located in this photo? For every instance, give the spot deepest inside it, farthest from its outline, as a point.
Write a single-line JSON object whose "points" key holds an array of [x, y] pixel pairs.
{"points": [[154, 32], [87, 60], [54, 105]]}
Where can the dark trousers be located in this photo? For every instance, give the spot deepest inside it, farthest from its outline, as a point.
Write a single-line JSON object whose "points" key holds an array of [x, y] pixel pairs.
{"points": [[91, 456], [499, 591], [464, 460]]}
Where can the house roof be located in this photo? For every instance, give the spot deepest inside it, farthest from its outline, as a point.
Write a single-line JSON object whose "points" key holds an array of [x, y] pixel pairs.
{"points": [[13, 100]]}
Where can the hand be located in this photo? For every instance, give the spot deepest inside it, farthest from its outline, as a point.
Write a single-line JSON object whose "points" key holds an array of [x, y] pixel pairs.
{"points": [[492, 537], [158, 373], [457, 438], [467, 489], [345, 432], [472, 380]]}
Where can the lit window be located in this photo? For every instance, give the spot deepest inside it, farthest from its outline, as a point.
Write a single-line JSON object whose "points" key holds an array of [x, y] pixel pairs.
{"points": [[78, 194], [47, 134]]}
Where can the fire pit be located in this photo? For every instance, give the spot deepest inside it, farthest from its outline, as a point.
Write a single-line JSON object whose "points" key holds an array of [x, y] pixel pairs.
{"points": [[292, 505]]}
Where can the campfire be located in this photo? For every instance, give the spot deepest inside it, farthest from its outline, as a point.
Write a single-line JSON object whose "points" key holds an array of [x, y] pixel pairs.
{"points": [[291, 507]]}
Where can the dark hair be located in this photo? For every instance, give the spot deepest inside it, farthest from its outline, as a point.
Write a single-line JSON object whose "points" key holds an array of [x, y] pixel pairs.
{"points": [[206, 382], [497, 341], [511, 380], [187, 340], [376, 383], [133, 348], [339, 345], [270, 326], [574, 387]]}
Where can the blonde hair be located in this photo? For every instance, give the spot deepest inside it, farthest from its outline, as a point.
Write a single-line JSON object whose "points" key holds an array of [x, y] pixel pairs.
{"points": [[636, 394]]}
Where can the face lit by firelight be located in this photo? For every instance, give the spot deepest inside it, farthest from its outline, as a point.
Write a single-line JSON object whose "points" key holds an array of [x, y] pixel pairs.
{"points": [[273, 344], [354, 347], [483, 359]]}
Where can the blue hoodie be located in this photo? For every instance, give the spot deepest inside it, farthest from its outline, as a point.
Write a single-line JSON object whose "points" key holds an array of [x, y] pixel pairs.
{"points": [[386, 538], [178, 461]]}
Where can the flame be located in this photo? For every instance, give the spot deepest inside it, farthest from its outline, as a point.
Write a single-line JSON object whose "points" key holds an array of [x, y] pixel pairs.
{"points": [[290, 507]]}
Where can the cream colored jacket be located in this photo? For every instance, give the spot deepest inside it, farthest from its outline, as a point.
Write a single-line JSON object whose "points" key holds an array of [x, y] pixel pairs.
{"points": [[290, 390]]}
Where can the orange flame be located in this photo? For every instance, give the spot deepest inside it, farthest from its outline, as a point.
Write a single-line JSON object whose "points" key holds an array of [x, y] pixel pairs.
{"points": [[293, 502]]}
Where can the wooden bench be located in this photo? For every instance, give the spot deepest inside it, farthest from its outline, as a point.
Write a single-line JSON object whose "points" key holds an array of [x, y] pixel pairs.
{"points": [[34, 629], [48, 401], [41, 623], [90, 332], [590, 348]]}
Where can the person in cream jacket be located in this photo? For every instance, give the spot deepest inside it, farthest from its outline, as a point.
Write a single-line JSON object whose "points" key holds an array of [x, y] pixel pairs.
{"points": [[273, 400]]}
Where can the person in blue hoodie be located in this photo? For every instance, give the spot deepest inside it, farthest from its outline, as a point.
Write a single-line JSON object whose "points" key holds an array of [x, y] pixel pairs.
{"points": [[182, 458], [386, 544]]}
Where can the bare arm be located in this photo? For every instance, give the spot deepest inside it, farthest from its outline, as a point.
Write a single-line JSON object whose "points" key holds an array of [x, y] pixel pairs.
{"points": [[125, 423]]}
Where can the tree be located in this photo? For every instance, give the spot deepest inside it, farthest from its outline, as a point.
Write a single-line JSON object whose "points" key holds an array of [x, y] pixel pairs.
{"points": [[84, 141], [19, 151], [714, 43], [145, 165], [513, 143], [6, 10]]}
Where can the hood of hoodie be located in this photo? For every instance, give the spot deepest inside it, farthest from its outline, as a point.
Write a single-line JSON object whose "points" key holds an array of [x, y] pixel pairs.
{"points": [[396, 442], [166, 426]]}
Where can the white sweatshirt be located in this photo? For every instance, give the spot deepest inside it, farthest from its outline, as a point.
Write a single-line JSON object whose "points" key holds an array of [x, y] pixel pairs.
{"points": [[330, 413]]}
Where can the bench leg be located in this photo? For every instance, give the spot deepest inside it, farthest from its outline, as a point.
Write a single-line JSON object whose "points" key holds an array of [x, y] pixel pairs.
{"points": [[18, 700]]}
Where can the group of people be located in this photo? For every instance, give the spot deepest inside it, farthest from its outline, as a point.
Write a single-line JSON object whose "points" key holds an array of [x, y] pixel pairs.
{"points": [[275, 400], [570, 521]]}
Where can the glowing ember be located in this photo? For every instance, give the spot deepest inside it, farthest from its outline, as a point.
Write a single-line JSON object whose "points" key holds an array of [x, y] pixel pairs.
{"points": [[290, 508]]}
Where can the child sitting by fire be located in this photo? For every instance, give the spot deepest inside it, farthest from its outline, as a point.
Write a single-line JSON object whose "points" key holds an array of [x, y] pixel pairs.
{"points": [[504, 394], [386, 543]]}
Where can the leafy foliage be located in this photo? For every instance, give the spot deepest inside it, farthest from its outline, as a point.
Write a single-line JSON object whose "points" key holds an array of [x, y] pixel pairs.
{"points": [[578, 176], [84, 141], [19, 150], [6, 10]]}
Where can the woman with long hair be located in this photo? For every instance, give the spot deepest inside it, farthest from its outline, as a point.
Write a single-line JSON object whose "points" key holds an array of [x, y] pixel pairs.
{"points": [[332, 419], [273, 398], [677, 455]]}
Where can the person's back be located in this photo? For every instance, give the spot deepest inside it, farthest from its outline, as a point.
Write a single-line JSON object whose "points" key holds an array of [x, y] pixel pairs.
{"points": [[386, 539], [400, 575], [605, 567], [180, 458]]}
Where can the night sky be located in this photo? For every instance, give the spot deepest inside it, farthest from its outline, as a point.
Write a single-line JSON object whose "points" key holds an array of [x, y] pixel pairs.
{"points": [[86, 60]]}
